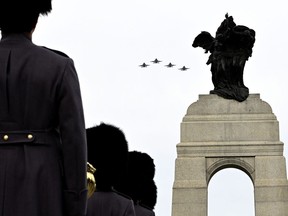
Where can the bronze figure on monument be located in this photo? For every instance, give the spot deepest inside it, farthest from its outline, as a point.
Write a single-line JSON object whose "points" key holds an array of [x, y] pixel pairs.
{"points": [[230, 49]]}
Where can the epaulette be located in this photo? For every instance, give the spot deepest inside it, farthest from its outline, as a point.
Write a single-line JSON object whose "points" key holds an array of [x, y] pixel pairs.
{"points": [[57, 51], [123, 195]]}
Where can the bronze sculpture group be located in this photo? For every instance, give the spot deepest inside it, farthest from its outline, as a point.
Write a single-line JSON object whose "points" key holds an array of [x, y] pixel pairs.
{"points": [[230, 49]]}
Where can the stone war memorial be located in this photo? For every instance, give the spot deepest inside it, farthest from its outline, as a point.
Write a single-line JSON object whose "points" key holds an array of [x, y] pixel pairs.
{"points": [[229, 128]]}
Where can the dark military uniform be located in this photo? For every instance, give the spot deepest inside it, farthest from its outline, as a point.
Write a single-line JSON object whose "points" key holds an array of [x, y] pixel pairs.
{"points": [[110, 204], [143, 210], [42, 132]]}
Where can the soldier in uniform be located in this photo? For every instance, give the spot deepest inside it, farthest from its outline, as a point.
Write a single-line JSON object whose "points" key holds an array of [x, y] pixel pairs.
{"points": [[144, 206], [108, 152], [140, 185], [42, 131]]}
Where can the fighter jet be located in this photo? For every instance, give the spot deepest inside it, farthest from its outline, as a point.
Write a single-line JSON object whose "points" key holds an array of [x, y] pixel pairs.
{"points": [[144, 65], [183, 68], [156, 61], [170, 65]]}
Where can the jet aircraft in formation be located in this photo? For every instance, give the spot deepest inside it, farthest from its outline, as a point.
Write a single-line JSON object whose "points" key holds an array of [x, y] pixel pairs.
{"points": [[170, 65], [156, 61], [183, 68], [143, 65]]}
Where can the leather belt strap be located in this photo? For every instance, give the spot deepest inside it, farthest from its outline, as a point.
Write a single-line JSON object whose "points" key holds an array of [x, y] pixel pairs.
{"points": [[25, 137]]}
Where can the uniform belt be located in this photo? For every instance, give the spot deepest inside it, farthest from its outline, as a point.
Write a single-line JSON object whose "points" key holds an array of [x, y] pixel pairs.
{"points": [[25, 137]]}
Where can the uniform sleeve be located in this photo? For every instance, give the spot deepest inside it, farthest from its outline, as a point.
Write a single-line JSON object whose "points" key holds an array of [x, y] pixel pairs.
{"points": [[74, 147]]}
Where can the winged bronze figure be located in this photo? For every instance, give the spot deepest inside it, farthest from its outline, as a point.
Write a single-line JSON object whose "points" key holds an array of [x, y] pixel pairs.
{"points": [[230, 49]]}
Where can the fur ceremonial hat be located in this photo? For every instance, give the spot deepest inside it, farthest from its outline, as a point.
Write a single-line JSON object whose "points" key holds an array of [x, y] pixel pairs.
{"points": [[25, 6], [108, 153], [21, 15], [139, 184], [148, 194], [141, 165]]}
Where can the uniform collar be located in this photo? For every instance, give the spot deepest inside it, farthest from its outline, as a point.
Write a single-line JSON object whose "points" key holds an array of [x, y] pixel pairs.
{"points": [[15, 37]]}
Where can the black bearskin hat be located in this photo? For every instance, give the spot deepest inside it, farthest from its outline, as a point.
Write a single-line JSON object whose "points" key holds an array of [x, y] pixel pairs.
{"points": [[148, 194], [140, 185], [25, 6], [142, 165], [21, 15], [108, 153]]}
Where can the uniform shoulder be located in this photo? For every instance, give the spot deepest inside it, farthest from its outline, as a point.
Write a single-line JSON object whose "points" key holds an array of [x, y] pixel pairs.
{"points": [[122, 195], [144, 206], [143, 210], [57, 52]]}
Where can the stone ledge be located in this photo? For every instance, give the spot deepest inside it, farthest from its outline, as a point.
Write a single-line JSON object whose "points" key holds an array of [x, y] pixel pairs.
{"points": [[213, 104], [271, 183], [231, 117], [189, 184], [228, 143], [231, 149]]}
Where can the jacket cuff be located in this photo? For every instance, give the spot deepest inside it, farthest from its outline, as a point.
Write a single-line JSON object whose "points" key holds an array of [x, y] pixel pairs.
{"points": [[75, 202]]}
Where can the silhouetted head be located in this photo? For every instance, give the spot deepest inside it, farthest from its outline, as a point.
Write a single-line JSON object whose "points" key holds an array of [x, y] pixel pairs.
{"points": [[18, 16], [108, 153]]}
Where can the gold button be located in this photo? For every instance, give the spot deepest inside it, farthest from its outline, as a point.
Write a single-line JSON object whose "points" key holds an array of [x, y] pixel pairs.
{"points": [[30, 136], [5, 137]]}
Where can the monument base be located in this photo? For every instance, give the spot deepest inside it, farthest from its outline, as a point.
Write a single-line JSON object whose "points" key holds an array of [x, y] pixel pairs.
{"points": [[217, 133]]}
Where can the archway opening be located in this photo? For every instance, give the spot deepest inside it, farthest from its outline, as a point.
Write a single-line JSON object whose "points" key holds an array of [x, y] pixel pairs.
{"points": [[231, 192]]}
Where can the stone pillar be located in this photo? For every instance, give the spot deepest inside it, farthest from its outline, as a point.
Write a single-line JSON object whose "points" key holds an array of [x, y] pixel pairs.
{"points": [[190, 187], [271, 190], [217, 133]]}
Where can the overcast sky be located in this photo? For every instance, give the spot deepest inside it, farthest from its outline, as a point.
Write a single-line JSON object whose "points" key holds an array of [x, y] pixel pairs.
{"points": [[109, 39]]}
